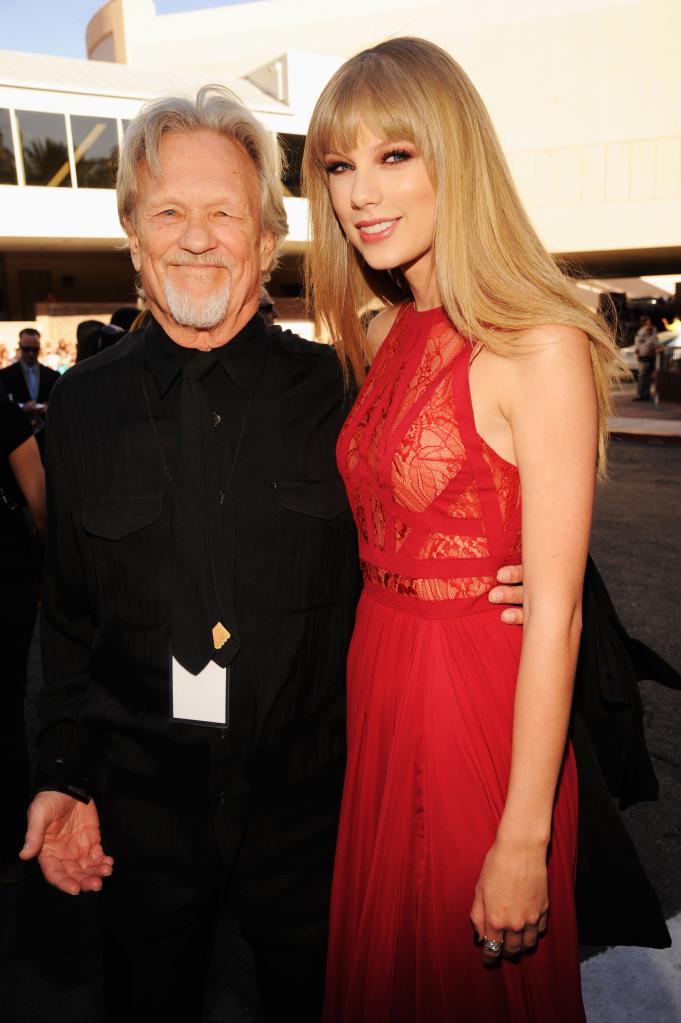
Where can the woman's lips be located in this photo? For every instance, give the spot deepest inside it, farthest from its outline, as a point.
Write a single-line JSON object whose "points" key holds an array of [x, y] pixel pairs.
{"points": [[377, 230]]}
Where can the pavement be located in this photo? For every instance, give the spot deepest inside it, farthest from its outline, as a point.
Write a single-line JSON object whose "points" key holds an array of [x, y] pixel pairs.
{"points": [[634, 985], [652, 421]]}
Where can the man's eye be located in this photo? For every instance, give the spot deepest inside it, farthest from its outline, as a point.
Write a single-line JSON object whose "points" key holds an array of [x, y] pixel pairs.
{"points": [[397, 156], [336, 167], [168, 213]]}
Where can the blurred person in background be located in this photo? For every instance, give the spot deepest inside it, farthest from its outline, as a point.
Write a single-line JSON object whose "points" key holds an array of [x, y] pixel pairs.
{"points": [[124, 317], [141, 320], [645, 345], [267, 308], [29, 381], [93, 337], [60, 359], [22, 502]]}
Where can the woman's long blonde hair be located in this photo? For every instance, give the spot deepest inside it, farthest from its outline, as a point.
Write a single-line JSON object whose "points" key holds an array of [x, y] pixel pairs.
{"points": [[495, 278]]}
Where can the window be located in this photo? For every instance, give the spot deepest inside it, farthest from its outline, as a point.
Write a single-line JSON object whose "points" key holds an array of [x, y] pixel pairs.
{"points": [[95, 151], [293, 146], [8, 167], [44, 148]]}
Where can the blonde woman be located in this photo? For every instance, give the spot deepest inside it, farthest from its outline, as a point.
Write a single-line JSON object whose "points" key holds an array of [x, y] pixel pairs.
{"points": [[453, 889]]}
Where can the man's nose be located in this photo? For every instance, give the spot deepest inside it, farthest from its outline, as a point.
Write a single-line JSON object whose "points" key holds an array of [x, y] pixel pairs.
{"points": [[197, 235], [365, 188]]}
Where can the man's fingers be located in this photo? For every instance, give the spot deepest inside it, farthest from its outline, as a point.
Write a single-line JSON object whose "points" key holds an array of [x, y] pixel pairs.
{"points": [[91, 883], [56, 874], [512, 595], [68, 875], [98, 854], [95, 868], [510, 574]]}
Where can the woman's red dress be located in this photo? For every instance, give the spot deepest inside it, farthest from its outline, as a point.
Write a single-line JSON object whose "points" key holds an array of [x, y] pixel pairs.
{"points": [[431, 679]]}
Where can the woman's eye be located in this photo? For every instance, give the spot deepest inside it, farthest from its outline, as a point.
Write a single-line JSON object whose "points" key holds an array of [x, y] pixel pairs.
{"points": [[397, 156], [168, 213], [336, 167]]}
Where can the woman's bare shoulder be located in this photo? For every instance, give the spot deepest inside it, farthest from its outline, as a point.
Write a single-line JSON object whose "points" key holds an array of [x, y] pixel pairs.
{"points": [[549, 334], [378, 329]]}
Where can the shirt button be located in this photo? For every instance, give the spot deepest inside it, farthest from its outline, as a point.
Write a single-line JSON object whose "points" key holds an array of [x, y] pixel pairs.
{"points": [[222, 799], [217, 419]]}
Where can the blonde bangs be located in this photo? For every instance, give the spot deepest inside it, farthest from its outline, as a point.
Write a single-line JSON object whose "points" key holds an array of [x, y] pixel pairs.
{"points": [[352, 103]]}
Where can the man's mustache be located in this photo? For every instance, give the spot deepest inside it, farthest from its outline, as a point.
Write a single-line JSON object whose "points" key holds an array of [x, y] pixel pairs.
{"points": [[202, 259]]}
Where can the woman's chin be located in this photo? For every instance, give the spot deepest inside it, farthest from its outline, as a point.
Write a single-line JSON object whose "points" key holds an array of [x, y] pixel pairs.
{"points": [[380, 261]]}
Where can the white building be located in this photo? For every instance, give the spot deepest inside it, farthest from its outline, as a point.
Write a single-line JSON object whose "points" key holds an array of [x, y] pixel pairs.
{"points": [[584, 93]]}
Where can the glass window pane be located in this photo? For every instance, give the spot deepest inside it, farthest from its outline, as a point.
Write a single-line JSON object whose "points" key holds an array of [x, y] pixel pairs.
{"points": [[8, 167], [43, 144], [293, 146], [95, 148]]}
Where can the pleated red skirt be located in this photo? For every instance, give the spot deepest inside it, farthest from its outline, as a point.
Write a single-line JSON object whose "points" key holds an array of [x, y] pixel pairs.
{"points": [[430, 712]]}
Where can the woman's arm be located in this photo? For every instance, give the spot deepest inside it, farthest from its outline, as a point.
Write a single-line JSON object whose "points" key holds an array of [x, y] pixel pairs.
{"points": [[29, 473], [551, 406]]}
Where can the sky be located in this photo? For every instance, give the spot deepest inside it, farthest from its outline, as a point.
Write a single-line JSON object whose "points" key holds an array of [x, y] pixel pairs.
{"points": [[43, 26]]}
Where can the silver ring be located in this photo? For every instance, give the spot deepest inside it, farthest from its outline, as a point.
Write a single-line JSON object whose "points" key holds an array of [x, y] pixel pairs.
{"points": [[492, 947]]}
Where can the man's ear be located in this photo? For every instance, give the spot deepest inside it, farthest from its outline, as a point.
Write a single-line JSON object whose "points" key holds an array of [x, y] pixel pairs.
{"points": [[133, 242], [268, 245]]}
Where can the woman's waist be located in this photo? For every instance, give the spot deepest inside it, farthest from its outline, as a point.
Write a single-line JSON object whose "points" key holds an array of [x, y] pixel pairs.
{"points": [[449, 594]]}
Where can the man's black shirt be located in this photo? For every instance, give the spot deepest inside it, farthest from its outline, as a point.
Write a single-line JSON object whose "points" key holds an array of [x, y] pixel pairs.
{"points": [[112, 444]]}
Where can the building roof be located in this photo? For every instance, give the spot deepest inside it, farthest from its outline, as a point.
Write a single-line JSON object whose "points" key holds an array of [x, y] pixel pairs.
{"points": [[104, 78]]}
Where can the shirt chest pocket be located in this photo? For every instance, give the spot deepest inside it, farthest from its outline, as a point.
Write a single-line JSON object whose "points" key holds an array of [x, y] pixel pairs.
{"points": [[316, 546], [129, 550]]}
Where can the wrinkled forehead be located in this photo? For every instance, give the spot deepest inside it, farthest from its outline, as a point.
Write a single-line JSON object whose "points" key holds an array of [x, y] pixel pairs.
{"points": [[195, 152]]}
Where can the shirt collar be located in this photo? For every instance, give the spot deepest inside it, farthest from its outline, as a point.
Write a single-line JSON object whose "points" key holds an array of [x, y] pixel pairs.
{"points": [[242, 357]]}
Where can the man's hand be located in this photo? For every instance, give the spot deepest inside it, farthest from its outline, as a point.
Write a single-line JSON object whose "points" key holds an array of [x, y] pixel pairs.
{"points": [[509, 593], [64, 834]]}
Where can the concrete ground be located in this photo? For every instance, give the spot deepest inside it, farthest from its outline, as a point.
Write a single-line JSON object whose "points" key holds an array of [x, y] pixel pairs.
{"points": [[652, 420], [49, 950]]}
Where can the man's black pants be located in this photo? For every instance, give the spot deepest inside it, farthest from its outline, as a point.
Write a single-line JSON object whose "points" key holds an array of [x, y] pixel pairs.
{"points": [[271, 869]]}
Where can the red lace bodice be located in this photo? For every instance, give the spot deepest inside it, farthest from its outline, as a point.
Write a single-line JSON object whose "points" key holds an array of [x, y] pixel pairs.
{"points": [[437, 510]]}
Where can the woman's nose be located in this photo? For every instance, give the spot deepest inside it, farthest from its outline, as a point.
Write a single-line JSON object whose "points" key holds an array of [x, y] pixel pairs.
{"points": [[365, 189]]}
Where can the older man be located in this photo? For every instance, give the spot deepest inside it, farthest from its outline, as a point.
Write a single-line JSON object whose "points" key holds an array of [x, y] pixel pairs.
{"points": [[201, 586]]}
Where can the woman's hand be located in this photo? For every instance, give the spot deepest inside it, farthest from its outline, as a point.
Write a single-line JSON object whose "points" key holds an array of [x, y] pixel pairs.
{"points": [[511, 898]]}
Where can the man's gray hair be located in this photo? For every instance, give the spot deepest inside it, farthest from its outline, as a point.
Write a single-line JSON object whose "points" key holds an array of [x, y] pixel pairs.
{"points": [[214, 109]]}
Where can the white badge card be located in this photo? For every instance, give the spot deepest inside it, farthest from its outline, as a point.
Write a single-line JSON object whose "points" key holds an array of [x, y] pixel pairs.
{"points": [[203, 698]]}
